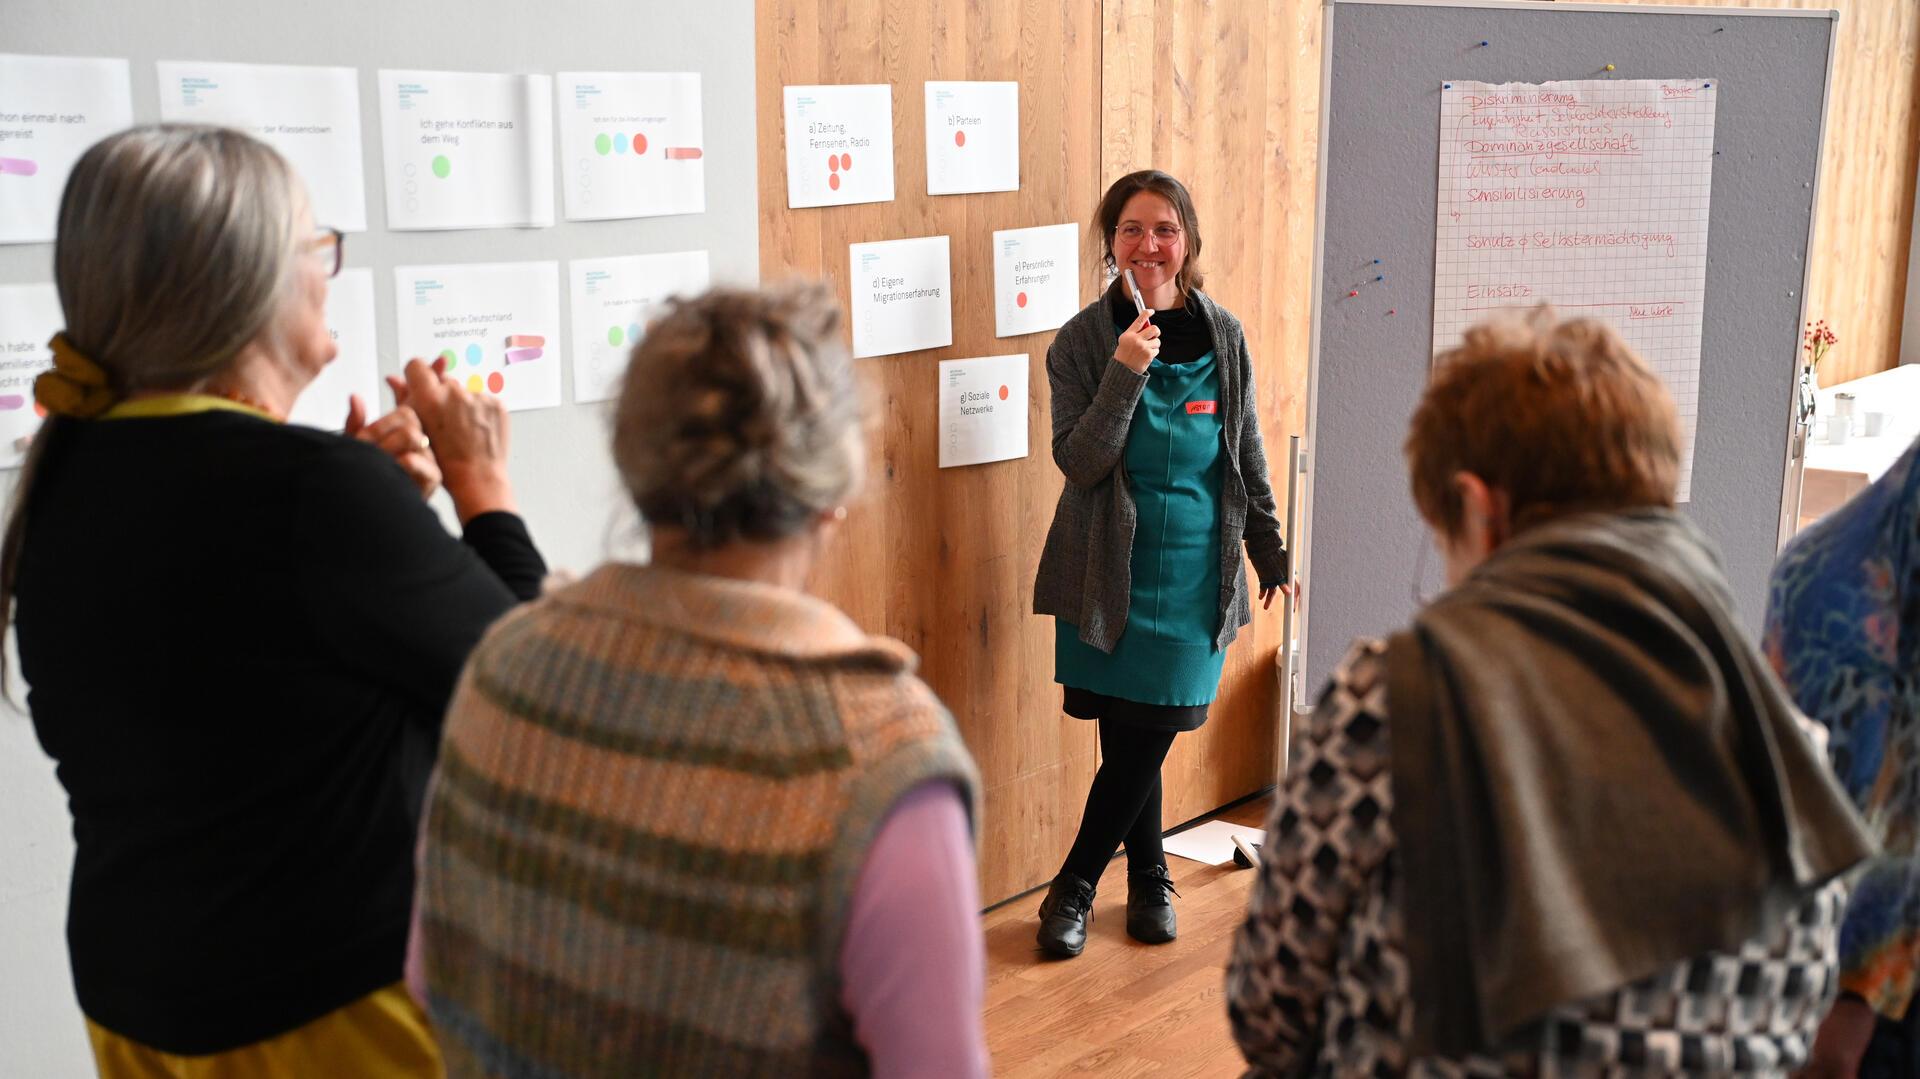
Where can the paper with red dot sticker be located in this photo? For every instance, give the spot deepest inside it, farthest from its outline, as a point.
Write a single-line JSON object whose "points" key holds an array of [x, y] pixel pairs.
{"points": [[1036, 278], [631, 144], [839, 145], [973, 137], [496, 326], [355, 367], [983, 410], [29, 317]]}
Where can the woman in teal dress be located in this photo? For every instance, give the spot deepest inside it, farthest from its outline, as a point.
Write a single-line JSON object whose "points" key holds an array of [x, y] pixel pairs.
{"points": [[1155, 430]]}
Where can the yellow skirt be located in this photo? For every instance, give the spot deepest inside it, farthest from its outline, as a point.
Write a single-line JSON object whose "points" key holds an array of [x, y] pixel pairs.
{"points": [[382, 1034]]}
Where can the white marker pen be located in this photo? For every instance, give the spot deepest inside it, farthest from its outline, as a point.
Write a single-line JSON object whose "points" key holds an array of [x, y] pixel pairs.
{"points": [[1134, 287]]}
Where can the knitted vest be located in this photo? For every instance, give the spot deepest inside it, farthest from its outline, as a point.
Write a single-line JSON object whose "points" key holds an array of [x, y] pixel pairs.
{"points": [[655, 794]]}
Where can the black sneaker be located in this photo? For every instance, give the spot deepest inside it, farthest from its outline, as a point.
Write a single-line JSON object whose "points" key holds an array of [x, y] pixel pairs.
{"points": [[1150, 917], [1064, 915]]}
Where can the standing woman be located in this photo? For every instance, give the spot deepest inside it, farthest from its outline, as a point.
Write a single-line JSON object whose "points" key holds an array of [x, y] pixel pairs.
{"points": [[240, 635], [1155, 429]]}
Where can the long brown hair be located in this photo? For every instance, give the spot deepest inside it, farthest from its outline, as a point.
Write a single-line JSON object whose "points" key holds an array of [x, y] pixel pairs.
{"points": [[1152, 181], [175, 249]]}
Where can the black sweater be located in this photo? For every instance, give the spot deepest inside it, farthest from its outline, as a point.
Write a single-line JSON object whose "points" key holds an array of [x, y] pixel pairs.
{"points": [[1184, 336], [240, 639]]}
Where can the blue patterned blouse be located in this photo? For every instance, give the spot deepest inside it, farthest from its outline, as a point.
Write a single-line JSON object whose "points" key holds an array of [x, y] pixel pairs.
{"points": [[1843, 632]]}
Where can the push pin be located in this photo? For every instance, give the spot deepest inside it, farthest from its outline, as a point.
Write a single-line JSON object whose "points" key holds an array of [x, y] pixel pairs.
{"points": [[1355, 292], [1379, 277], [1609, 67], [1393, 310], [1484, 44], [1376, 262]]}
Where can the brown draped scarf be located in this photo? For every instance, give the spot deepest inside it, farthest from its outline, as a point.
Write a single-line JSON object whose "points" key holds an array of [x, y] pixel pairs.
{"points": [[1595, 777]]}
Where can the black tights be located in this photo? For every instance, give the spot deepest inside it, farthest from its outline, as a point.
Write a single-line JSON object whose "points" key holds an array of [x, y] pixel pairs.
{"points": [[1123, 804]]}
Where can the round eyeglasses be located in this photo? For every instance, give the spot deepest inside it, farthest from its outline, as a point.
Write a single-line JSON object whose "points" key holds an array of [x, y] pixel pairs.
{"points": [[1133, 234]]}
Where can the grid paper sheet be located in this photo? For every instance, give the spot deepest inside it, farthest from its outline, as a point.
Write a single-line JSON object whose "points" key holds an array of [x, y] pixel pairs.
{"points": [[1591, 195]]}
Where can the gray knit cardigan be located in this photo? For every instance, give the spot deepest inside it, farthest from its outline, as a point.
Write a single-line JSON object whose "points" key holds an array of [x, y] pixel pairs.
{"points": [[1086, 569]]}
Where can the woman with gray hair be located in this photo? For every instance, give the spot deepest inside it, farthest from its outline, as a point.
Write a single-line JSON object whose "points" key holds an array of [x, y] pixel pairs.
{"points": [[240, 636], [688, 819]]}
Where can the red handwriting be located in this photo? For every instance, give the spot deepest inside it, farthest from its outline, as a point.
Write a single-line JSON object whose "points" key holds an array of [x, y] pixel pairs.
{"points": [[1678, 91], [1629, 304], [1664, 310], [1495, 101], [1651, 242], [1509, 291], [1515, 170], [1627, 145], [1575, 195]]}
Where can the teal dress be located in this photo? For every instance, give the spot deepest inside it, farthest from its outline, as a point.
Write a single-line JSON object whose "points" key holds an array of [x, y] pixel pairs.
{"points": [[1176, 462]]}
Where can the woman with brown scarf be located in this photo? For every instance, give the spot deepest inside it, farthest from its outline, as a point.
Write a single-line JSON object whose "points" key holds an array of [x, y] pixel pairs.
{"points": [[1568, 821]]}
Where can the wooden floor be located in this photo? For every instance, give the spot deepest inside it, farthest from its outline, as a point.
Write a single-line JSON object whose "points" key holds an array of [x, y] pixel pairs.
{"points": [[1122, 1008]]}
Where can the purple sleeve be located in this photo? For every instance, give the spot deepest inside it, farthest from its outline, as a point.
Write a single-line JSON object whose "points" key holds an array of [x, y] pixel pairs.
{"points": [[414, 971], [913, 964]]}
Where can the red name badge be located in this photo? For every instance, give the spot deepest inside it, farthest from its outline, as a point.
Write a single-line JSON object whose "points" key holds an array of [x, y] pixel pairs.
{"points": [[1202, 408]]}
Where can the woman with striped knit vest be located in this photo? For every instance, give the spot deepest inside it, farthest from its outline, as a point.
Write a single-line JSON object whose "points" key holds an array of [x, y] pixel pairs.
{"points": [[689, 820]]}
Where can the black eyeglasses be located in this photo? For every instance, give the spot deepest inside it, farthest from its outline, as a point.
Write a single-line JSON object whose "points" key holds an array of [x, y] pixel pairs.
{"points": [[331, 245]]}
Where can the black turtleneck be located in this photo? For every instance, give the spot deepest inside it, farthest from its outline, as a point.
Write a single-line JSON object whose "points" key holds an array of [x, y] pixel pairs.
{"points": [[1184, 334]]}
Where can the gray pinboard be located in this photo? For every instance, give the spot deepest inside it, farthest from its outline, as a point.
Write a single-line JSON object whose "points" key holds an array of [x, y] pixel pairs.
{"points": [[1380, 158], [560, 464]]}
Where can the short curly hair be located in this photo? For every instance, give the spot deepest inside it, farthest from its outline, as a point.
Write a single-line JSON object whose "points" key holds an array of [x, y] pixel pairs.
{"points": [[1561, 416]]}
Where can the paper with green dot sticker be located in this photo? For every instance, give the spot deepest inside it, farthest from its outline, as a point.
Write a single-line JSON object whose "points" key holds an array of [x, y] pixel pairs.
{"points": [[631, 144], [466, 151], [613, 301], [496, 324]]}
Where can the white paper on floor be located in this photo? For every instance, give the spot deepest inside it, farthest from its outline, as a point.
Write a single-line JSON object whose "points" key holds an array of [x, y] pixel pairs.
{"points": [[1211, 842]]}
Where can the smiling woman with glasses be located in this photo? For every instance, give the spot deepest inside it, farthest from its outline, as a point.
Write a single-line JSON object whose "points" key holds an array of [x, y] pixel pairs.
{"points": [[240, 635], [1155, 428]]}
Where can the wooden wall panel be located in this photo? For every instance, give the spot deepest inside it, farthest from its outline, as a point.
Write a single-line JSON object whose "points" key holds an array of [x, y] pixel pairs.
{"points": [[945, 559]]}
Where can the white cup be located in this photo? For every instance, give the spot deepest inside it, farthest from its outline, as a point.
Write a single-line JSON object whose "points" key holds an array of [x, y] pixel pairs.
{"points": [[1838, 428], [1876, 422]]}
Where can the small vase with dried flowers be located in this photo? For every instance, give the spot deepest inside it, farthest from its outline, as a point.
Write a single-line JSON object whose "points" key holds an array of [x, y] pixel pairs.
{"points": [[1815, 344]]}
